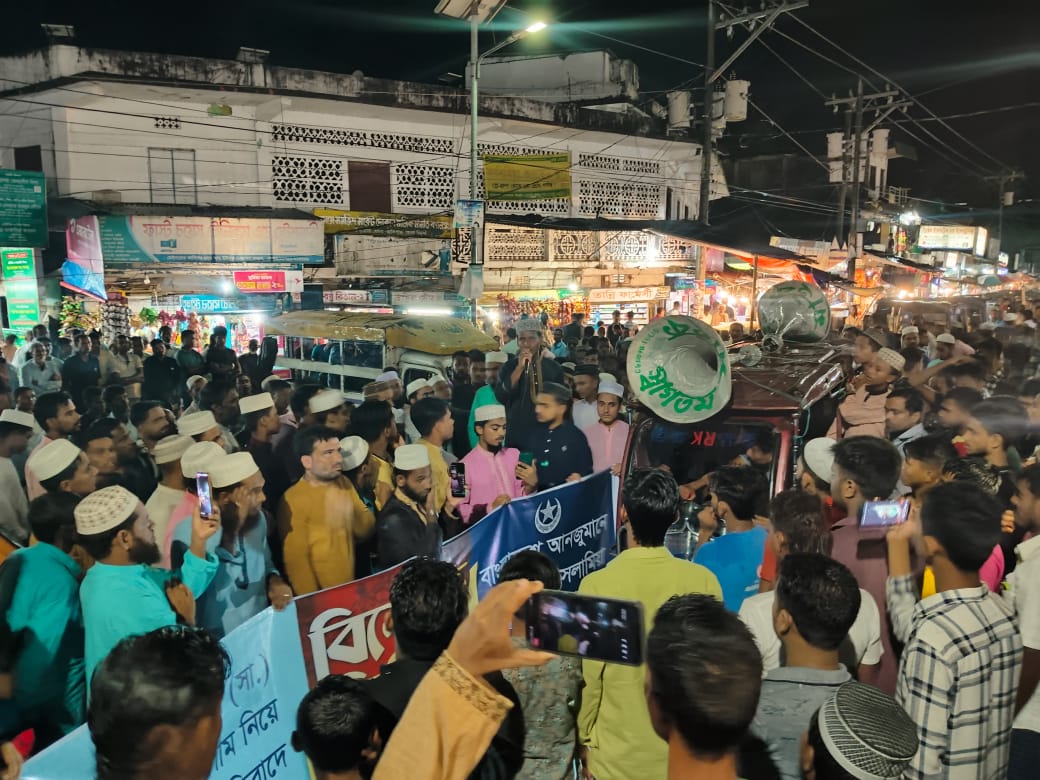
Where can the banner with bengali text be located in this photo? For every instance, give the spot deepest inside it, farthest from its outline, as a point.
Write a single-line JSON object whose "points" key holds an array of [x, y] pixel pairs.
{"points": [[277, 656]]}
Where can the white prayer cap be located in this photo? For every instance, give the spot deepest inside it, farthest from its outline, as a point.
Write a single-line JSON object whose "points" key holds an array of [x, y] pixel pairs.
{"points": [[194, 380], [415, 386], [255, 403], [909, 330], [892, 358], [389, 376], [355, 450], [104, 509], [611, 388], [495, 358], [325, 401], [489, 412], [200, 457], [15, 417], [52, 459], [528, 325], [945, 338], [1010, 316], [607, 378], [265, 385], [411, 457], [171, 448], [434, 380], [232, 469], [819, 457], [196, 423], [988, 326]]}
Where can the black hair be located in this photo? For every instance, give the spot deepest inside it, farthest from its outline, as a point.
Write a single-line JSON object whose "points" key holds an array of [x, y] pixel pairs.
{"points": [[560, 393], [821, 595], [531, 565], [10, 428], [934, 449], [705, 672], [139, 411], [1031, 387], [871, 462], [305, 439], [824, 764], [427, 412], [213, 394], [739, 487], [1004, 416], [511, 333], [53, 484], [429, 600], [277, 385], [476, 356], [52, 513], [914, 357], [990, 347], [972, 369], [171, 676], [334, 723], [973, 470], [651, 501], [370, 419], [965, 520], [799, 517], [1031, 476], [100, 545], [459, 353], [252, 419], [102, 429], [912, 398], [967, 398], [23, 389], [48, 405], [110, 392]]}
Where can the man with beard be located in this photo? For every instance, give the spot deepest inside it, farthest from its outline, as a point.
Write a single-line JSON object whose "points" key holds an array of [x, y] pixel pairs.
{"points": [[57, 416], [317, 524], [100, 444], [462, 388], [162, 375], [522, 379], [128, 366], [262, 423], [221, 398], [490, 467], [81, 371], [140, 472], [406, 526], [561, 451], [246, 580], [122, 594]]}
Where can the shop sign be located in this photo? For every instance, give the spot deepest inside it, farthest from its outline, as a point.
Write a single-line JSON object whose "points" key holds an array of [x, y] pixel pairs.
{"points": [[814, 250], [627, 294], [23, 208], [214, 304], [685, 283], [469, 214], [414, 298], [268, 281], [346, 296], [20, 287], [132, 240], [527, 177], [373, 223], [958, 238]]}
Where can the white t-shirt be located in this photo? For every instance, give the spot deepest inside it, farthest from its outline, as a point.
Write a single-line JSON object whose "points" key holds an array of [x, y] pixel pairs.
{"points": [[14, 506], [160, 506], [1025, 596], [586, 413], [864, 636]]}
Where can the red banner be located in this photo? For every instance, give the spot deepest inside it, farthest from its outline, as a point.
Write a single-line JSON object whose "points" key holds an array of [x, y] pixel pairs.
{"points": [[268, 281], [346, 629]]}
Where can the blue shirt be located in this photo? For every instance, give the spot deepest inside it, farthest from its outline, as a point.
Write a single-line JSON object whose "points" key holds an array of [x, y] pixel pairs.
{"points": [[49, 682], [239, 588], [736, 559], [120, 601]]}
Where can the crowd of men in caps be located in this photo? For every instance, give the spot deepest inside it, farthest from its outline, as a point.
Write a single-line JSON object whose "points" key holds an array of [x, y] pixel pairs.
{"points": [[796, 644]]}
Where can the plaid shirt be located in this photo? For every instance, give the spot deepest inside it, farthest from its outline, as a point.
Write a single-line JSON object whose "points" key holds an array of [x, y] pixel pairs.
{"points": [[957, 681]]}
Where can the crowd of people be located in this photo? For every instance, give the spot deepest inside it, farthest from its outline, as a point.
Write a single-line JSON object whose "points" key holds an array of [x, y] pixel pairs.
{"points": [[799, 640]]}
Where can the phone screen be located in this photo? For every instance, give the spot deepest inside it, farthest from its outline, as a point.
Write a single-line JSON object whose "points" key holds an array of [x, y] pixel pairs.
{"points": [[457, 473], [881, 514], [527, 458], [205, 494], [592, 627]]}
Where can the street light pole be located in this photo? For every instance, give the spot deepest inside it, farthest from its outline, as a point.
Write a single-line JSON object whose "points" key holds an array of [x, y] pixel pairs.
{"points": [[474, 95]]}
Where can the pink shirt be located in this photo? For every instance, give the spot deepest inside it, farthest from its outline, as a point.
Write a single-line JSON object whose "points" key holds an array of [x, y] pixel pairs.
{"points": [[181, 513], [489, 476], [607, 444], [33, 488]]}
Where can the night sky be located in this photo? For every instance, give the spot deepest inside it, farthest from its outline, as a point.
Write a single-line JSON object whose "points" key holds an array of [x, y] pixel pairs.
{"points": [[959, 58]]}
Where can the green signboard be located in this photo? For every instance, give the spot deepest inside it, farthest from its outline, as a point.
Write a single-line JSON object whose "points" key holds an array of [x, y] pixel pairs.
{"points": [[20, 287], [23, 208]]}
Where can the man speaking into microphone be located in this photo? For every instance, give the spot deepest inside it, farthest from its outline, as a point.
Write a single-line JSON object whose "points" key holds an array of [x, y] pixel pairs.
{"points": [[522, 379]]}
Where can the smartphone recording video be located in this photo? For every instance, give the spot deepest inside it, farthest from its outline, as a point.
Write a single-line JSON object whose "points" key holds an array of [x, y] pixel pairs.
{"points": [[457, 474], [881, 514], [205, 494], [591, 627]]}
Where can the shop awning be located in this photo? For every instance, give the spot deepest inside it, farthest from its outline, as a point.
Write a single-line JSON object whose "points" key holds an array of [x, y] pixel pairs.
{"points": [[434, 335], [902, 261], [720, 237]]}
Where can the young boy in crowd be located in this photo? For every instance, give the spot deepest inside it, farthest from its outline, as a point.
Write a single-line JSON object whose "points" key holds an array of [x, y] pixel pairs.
{"points": [[862, 413], [336, 729], [960, 668], [953, 413]]}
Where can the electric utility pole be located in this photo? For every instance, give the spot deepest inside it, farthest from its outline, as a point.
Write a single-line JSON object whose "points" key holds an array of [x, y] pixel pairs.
{"points": [[1005, 178]]}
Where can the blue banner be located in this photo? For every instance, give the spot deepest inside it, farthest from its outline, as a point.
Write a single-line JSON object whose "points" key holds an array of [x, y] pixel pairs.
{"points": [[573, 524], [266, 684]]}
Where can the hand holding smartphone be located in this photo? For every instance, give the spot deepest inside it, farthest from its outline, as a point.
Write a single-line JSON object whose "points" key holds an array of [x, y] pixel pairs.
{"points": [[457, 476], [593, 627], [882, 514], [205, 493]]}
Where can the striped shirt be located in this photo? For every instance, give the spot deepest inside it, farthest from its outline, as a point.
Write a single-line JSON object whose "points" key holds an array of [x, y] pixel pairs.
{"points": [[957, 681]]}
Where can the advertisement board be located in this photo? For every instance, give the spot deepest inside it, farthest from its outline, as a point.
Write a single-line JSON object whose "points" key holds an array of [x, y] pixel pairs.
{"points": [[527, 177], [23, 208], [20, 287], [268, 281], [958, 238], [84, 267]]}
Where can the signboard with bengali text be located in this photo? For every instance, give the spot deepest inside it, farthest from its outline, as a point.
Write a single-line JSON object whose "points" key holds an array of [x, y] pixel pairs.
{"points": [[20, 287], [23, 208], [268, 281]]}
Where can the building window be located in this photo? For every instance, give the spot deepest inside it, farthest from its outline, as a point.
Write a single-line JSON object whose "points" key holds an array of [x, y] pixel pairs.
{"points": [[311, 180], [28, 158], [171, 176]]}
